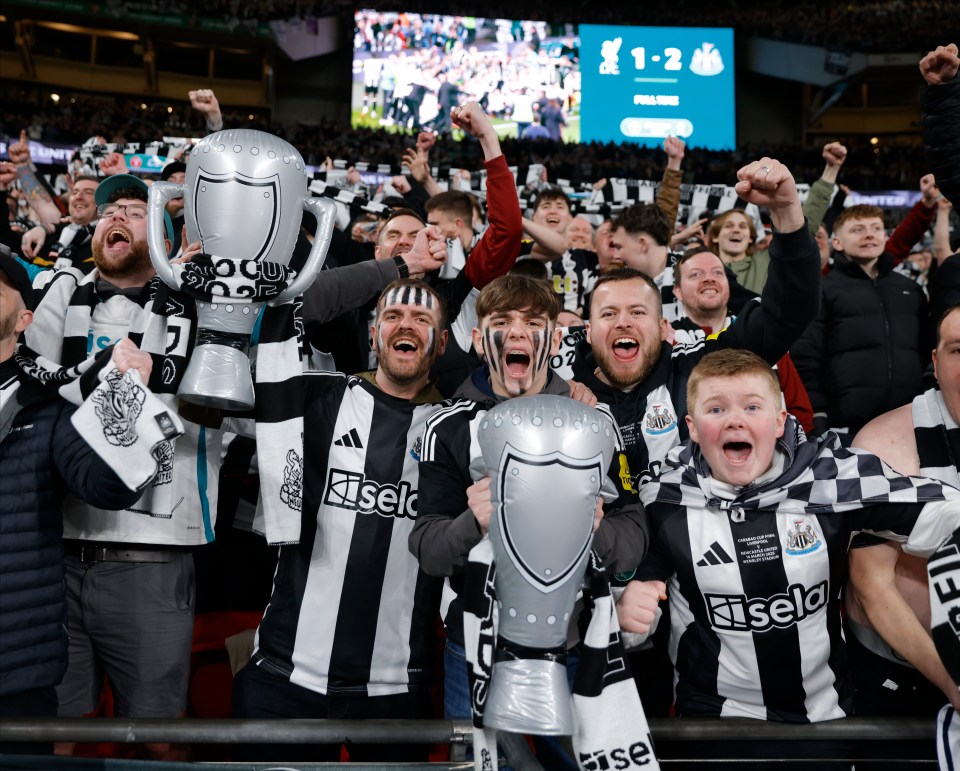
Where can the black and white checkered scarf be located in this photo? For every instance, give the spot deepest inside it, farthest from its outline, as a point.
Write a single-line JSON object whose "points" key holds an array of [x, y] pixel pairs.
{"points": [[819, 477], [609, 718], [163, 325]]}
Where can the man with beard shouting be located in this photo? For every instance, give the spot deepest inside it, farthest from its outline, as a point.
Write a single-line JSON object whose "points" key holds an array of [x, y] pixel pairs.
{"points": [[631, 368], [349, 630], [130, 573], [643, 379]]}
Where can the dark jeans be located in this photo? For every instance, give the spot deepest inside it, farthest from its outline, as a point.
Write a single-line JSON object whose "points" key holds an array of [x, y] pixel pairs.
{"points": [[261, 695]]}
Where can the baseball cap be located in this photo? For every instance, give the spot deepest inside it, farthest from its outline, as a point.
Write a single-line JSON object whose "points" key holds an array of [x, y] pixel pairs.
{"points": [[17, 275], [115, 182], [172, 168], [110, 185]]}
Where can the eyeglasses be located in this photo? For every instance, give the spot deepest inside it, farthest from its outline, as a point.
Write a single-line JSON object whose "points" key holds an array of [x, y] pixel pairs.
{"points": [[133, 211]]}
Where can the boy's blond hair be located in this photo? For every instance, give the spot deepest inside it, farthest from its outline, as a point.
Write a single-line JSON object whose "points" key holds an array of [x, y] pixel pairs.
{"points": [[731, 362]]}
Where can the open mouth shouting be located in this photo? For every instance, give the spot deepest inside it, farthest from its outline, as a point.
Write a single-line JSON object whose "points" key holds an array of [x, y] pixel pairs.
{"points": [[737, 453], [405, 346], [516, 361], [117, 238], [626, 349], [517, 364]]}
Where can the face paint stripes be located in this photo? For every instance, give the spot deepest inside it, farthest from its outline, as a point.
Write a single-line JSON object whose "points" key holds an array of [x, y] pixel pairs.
{"points": [[406, 295], [541, 349], [493, 349], [431, 341]]}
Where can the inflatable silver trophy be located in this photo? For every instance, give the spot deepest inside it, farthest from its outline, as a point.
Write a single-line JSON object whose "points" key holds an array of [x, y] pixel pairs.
{"points": [[243, 198], [547, 457]]}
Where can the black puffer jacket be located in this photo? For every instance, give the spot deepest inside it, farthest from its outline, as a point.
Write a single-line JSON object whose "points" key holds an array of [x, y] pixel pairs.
{"points": [[42, 457], [865, 352]]}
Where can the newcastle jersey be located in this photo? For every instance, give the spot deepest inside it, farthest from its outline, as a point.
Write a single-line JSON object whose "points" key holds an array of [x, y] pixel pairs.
{"points": [[351, 612], [754, 606]]}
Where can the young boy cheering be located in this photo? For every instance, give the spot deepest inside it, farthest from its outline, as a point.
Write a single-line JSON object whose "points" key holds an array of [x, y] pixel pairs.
{"points": [[754, 524]]}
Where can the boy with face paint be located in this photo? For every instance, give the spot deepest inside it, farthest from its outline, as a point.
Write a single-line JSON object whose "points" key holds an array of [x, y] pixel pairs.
{"points": [[516, 335], [349, 630]]}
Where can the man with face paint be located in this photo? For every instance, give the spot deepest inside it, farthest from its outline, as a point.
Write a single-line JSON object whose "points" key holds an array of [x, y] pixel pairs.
{"points": [[516, 334], [350, 627]]}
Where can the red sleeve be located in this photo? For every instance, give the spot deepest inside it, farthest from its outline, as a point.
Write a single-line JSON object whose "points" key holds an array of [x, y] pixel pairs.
{"points": [[910, 231], [794, 394], [497, 250]]}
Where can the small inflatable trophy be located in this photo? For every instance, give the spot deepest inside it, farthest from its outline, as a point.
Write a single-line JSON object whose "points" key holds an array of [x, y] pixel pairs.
{"points": [[547, 457], [244, 195]]}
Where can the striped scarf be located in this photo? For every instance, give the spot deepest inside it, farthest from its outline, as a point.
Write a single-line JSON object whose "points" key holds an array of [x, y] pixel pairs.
{"points": [[819, 477], [610, 723], [163, 324], [938, 438]]}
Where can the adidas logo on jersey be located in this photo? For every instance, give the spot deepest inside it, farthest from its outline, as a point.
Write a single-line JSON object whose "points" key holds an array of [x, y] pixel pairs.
{"points": [[354, 492], [737, 613], [350, 439], [715, 555]]}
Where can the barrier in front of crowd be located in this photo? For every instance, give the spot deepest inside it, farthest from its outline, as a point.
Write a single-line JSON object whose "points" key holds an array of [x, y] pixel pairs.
{"points": [[863, 740]]}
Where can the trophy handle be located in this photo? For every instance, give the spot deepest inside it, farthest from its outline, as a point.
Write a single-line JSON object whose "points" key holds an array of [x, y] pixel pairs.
{"points": [[325, 211], [160, 193]]}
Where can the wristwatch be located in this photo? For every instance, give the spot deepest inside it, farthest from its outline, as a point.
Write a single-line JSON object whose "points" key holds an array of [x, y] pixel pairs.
{"points": [[402, 268]]}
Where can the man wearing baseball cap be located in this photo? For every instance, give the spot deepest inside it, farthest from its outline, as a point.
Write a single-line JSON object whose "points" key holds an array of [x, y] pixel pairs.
{"points": [[130, 562]]}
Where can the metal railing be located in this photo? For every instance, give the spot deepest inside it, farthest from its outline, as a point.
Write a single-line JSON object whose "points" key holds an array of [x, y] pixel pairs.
{"points": [[876, 738]]}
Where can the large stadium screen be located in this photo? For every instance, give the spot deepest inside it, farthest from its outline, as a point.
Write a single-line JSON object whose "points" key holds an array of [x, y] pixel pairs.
{"points": [[642, 83], [408, 66], [592, 83]]}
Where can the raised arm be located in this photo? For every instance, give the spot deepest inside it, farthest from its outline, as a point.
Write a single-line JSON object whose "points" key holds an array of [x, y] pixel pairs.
{"points": [[917, 221], [941, 231], [37, 194], [499, 247], [204, 101], [818, 201], [940, 108], [791, 296], [552, 244], [339, 290], [668, 196]]}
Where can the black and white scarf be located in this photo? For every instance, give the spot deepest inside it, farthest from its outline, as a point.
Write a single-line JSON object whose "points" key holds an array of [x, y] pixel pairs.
{"points": [[819, 477], [163, 325], [609, 720], [938, 438]]}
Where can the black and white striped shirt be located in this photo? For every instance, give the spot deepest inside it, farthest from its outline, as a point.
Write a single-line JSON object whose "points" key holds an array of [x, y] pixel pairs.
{"points": [[754, 606], [351, 612]]}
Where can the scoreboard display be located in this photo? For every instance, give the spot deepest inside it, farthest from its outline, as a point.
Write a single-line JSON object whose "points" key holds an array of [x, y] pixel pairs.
{"points": [[641, 84]]}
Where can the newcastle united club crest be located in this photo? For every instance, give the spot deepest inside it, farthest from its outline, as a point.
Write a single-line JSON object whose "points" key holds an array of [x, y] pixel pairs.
{"points": [[801, 538]]}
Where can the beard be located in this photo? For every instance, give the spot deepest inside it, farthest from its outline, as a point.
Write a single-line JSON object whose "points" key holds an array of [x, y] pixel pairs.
{"points": [[618, 374], [136, 260], [404, 373]]}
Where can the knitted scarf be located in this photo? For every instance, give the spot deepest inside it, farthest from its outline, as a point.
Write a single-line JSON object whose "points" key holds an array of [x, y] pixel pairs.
{"points": [[163, 325], [938, 438], [611, 726]]}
